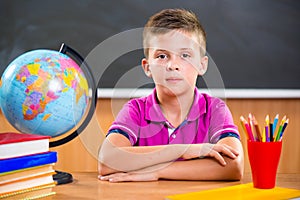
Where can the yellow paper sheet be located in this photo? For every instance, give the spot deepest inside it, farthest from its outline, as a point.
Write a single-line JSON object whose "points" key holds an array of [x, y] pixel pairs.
{"points": [[240, 192]]}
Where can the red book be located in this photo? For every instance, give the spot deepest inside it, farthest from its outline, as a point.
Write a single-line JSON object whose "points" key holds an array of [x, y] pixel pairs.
{"points": [[21, 144]]}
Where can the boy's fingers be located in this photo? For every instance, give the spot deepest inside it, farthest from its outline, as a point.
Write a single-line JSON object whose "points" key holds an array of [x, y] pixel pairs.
{"points": [[103, 178], [226, 150], [111, 177], [218, 157], [232, 149]]}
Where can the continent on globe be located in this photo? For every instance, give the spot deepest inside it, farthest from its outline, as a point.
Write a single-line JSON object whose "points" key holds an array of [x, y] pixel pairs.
{"points": [[42, 88]]}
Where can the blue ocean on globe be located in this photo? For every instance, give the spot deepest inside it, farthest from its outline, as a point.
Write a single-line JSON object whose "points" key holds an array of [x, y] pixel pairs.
{"points": [[44, 92]]}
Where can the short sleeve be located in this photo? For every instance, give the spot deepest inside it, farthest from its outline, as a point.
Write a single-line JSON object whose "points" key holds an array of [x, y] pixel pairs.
{"points": [[127, 122], [221, 121]]}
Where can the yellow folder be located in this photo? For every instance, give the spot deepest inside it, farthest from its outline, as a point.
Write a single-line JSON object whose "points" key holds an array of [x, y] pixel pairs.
{"points": [[240, 192]]}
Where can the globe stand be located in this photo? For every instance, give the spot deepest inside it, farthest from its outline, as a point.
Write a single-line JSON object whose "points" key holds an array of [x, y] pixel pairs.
{"points": [[62, 177], [65, 177]]}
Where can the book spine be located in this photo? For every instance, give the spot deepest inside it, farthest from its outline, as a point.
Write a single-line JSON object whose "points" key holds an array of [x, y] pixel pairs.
{"points": [[19, 192], [27, 161]]}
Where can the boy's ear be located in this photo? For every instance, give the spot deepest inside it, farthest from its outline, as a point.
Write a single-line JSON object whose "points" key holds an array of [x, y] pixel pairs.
{"points": [[146, 67], [203, 65]]}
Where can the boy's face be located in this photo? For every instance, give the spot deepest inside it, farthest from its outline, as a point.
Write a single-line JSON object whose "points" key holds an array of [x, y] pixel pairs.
{"points": [[174, 61]]}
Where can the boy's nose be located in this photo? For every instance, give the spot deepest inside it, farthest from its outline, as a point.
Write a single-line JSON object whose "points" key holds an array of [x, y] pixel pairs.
{"points": [[172, 66]]}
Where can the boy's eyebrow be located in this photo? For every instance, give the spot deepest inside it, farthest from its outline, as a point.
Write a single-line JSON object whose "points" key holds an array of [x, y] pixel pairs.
{"points": [[159, 49], [189, 49], [181, 49]]}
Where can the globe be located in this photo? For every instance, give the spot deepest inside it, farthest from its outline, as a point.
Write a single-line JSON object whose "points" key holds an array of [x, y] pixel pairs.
{"points": [[44, 92]]}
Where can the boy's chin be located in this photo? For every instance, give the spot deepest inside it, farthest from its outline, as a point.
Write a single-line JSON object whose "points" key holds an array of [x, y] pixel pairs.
{"points": [[176, 91]]}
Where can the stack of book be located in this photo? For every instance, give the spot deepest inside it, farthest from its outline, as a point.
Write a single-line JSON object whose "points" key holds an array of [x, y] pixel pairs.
{"points": [[26, 166]]}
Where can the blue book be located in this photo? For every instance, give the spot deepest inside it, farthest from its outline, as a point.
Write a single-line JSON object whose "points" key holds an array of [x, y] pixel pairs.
{"points": [[23, 162]]}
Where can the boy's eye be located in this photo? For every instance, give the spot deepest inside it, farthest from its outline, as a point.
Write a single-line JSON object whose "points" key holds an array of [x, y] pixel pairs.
{"points": [[186, 55], [162, 56]]}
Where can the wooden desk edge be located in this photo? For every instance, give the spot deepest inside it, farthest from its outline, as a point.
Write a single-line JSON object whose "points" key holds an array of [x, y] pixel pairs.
{"points": [[87, 186]]}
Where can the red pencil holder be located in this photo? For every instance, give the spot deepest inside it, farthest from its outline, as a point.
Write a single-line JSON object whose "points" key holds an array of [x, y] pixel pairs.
{"points": [[264, 159]]}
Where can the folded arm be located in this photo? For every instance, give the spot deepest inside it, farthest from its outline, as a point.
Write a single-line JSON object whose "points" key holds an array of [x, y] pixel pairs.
{"points": [[207, 168], [154, 162]]}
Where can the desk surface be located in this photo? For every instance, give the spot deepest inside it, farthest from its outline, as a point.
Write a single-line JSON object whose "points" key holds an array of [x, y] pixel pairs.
{"points": [[87, 186]]}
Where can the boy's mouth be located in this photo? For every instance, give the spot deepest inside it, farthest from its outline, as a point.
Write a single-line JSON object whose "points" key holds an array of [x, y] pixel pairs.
{"points": [[173, 79]]}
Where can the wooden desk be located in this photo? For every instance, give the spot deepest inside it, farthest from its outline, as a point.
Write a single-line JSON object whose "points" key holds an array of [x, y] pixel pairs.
{"points": [[87, 186]]}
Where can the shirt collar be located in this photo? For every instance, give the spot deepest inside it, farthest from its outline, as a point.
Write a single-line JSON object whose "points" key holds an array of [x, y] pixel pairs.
{"points": [[198, 107], [154, 112], [152, 109]]}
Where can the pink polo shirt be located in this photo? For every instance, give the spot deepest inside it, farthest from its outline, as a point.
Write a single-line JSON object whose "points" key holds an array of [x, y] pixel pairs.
{"points": [[141, 120]]}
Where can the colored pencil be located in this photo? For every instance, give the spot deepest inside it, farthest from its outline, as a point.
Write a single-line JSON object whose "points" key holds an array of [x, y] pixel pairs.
{"points": [[267, 128], [280, 127], [271, 132], [284, 127], [275, 124], [263, 136], [247, 128], [244, 129], [256, 128], [250, 122]]}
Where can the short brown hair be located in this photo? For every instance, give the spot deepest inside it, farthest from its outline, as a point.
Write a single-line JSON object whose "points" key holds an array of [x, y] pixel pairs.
{"points": [[174, 19]]}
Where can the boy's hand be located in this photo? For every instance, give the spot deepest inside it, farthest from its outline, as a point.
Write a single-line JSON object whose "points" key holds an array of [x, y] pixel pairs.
{"points": [[129, 176], [216, 151]]}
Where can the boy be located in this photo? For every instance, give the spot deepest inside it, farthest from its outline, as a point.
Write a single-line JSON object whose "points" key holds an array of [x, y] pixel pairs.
{"points": [[175, 132]]}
